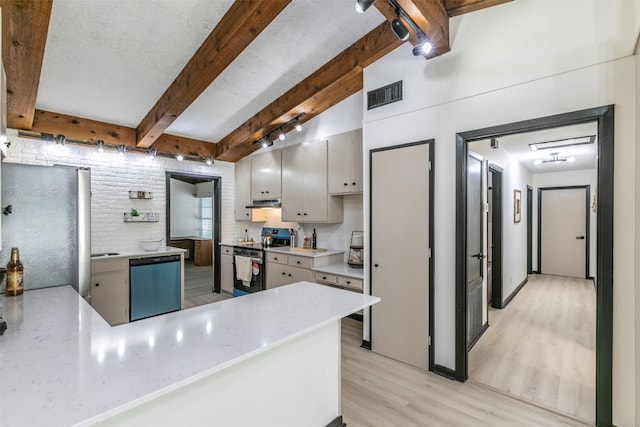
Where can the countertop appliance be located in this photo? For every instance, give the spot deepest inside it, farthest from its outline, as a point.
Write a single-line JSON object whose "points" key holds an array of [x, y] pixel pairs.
{"points": [[255, 253], [154, 286], [48, 217]]}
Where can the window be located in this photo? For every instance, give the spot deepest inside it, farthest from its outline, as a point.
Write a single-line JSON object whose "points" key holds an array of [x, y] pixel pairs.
{"points": [[205, 217]]}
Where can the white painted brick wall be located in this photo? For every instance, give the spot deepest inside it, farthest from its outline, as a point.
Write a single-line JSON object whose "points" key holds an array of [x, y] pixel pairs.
{"points": [[112, 177]]}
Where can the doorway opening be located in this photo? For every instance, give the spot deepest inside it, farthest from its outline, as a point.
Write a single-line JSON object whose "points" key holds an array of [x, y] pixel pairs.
{"points": [[602, 118], [193, 223], [495, 236]]}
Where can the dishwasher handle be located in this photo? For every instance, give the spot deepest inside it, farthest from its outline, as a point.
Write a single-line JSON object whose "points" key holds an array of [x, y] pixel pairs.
{"points": [[153, 260]]}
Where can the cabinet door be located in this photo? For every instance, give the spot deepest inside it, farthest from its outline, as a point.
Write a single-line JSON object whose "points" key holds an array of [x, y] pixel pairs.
{"points": [[266, 175], [110, 296], [226, 271], [293, 184], [243, 189], [340, 152], [276, 275], [315, 182], [357, 178]]}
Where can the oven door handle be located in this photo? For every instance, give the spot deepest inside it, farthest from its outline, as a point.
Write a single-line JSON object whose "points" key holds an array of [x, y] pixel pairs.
{"points": [[256, 260]]}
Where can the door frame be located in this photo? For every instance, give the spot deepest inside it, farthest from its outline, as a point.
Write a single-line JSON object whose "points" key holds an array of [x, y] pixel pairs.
{"points": [[530, 230], [217, 215], [496, 238], [587, 223], [431, 143], [604, 116]]}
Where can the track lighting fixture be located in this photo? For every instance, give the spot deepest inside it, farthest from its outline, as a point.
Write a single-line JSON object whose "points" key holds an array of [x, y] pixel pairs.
{"points": [[363, 5], [423, 47], [100, 145], [152, 153], [179, 157], [555, 158], [60, 139], [122, 150], [399, 29], [281, 135], [208, 160]]}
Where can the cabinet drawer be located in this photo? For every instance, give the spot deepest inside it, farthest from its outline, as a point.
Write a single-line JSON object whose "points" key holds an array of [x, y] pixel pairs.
{"points": [[348, 282], [227, 250], [276, 257], [300, 261], [324, 278], [107, 265]]}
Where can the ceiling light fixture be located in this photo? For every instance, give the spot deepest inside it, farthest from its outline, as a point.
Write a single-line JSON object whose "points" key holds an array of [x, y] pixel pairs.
{"points": [[152, 153], [423, 47], [556, 159], [281, 135], [60, 139], [122, 150], [363, 5], [100, 145], [208, 160], [179, 157], [399, 29], [559, 143]]}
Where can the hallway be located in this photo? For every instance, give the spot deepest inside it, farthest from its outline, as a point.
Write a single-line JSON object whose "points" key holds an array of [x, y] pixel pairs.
{"points": [[541, 347]]}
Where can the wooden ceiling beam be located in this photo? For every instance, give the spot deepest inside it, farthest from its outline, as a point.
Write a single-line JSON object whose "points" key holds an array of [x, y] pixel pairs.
{"points": [[429, 15], [91, 130], [460, 7], [326, 83], [25, 24], [242, 23]]}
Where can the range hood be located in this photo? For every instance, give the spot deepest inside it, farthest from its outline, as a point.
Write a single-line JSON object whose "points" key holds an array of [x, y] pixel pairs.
{"points": [[259, 204]]}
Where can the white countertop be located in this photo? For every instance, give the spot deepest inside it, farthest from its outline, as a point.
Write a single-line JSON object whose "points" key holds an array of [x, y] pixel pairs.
{"points": [[164, 250], [287, 250], [61, 364], [341, 270]]}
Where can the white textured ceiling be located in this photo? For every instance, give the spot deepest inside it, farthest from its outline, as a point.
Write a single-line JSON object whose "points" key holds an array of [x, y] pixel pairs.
{"points": [[111, 60], [517, 146]]}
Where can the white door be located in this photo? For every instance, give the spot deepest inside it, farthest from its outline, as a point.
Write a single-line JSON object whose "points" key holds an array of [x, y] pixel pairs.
{"points": [[399, 250], [563, 225]]}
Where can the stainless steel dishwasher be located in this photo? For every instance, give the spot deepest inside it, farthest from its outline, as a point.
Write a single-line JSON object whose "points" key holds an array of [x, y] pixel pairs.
{"points": [[154, 286]]}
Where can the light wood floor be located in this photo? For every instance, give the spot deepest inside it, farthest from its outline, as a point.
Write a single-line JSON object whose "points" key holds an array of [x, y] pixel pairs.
{"points": [[381, 392], [541, 347], [198, 286]]}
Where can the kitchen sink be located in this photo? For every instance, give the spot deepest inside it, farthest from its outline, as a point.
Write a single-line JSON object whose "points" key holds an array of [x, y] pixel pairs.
{"points": [[105, 254]]}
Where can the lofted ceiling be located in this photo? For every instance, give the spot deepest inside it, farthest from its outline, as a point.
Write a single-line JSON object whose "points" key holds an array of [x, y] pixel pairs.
{"points": [[198, 77]]}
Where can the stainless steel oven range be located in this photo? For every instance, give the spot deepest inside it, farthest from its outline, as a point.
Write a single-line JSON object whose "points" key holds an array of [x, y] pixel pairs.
{"points": [[249, 273]]}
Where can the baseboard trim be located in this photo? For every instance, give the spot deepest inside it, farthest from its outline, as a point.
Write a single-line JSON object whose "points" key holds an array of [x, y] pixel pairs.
{"points": [[480, 334], [356, 316], [514, 293], [443, 371], [366, 344], [337, 422]]}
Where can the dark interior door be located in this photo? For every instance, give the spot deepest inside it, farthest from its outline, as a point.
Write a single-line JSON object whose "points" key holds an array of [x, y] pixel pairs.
{"points": [[475, 254]]}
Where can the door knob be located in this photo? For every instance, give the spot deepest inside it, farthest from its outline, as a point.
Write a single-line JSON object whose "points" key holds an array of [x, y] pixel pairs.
{"points": [[579, 237]]}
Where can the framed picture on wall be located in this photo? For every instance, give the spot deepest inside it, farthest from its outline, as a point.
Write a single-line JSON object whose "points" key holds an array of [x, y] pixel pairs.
{"points": [[517, 205]]}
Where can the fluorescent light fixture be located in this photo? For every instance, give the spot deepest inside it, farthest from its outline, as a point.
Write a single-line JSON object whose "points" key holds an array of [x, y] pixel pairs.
{"points": [[363, 5], [558, 143]]}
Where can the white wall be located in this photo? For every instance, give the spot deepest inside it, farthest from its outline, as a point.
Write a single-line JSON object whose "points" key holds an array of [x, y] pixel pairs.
{"points": [[636, 226], [514, 235], [490, 79], [343, 117], [184, 209], [559, 179], [111, 179]]}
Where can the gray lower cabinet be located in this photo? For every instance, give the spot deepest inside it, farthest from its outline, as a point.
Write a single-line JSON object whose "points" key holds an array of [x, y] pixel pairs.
{"points": [[283, 269], [110, 289], [338, 281], [226, 269]]}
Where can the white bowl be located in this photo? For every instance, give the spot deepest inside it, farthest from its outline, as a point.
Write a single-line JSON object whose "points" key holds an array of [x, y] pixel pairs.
{"points": [[151, 245]]}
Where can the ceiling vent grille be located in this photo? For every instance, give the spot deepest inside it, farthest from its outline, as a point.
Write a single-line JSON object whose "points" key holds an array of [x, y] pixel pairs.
{"points": [[384, 95]]}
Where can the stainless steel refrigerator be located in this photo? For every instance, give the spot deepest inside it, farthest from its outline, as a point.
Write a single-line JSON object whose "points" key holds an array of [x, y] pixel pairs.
{"points": [[47, 215]]}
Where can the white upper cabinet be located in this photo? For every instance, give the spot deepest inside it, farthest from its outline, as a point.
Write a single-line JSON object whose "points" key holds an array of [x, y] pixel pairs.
{"points": [[243, 189], [266, 178], [305, 195], [345, 163]]}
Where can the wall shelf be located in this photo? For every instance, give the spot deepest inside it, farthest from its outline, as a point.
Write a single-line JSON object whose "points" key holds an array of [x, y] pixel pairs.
{"points": [[143, 217], [140, 194]]}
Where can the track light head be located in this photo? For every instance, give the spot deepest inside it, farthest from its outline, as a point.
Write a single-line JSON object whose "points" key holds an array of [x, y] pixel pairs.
{"points": [[282, 136], [60, 139], [422, 48], [399, 29], [100, 145], [208, 160], [179, 157], [152, 153], [122, 150], [363, 5]]}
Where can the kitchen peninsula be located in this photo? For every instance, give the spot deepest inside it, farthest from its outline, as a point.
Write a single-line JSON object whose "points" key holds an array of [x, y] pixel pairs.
{"points": [[63, 365]]}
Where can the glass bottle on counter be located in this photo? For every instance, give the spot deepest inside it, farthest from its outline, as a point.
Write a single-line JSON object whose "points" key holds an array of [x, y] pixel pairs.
{"points": [[314, 240], [15, 274]]}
